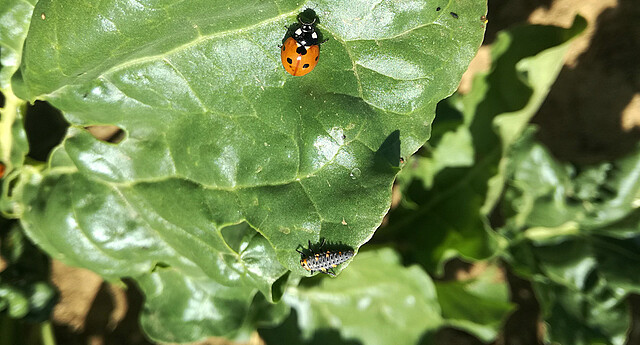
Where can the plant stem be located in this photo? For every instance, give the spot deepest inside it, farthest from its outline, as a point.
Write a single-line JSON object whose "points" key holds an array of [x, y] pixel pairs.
{"points": [[47, 333]]}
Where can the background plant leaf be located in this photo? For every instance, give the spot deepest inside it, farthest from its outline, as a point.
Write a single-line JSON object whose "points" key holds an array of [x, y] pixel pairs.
{"points": [[25, 292], [569, 228], [448, 197], [478, 305]]}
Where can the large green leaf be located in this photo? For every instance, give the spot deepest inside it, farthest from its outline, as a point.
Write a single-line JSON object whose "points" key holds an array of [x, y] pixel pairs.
{"points": [[218, 134], [450, 192], [576, 235], [376, 301]]}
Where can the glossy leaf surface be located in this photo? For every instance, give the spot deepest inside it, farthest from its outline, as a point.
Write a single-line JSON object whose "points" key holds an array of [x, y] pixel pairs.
{"points": [[212, 119], [219, 138]]}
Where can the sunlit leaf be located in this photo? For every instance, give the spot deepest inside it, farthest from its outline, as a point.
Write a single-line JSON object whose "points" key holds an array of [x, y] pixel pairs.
{"points": [[376, 301], [219, 134]]}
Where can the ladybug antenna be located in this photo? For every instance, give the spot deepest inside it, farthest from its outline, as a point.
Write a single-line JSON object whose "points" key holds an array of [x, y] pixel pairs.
{"points": [[303, 23]]}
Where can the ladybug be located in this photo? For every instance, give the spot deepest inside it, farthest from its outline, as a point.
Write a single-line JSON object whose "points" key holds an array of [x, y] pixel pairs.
{"points": [[323, 261], [300, 52]]}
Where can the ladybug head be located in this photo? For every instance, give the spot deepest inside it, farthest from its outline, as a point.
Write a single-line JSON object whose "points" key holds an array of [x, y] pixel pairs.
{"points": [[307, 27]]}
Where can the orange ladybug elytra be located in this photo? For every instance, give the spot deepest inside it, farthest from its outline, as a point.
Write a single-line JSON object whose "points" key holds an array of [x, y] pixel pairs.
{"points": [[300, 52]]}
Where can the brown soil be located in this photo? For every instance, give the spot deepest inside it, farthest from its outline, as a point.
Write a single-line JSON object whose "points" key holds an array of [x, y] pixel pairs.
{"points": [[592, 113]]}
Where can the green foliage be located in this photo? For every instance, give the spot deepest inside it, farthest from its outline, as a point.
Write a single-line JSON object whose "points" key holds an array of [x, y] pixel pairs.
{"points": [[379, 301], [24, 290], [451, 189], [574, 232], [229, 165]]}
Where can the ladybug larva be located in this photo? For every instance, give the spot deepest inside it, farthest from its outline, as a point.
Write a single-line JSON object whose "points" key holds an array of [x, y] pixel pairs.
{"points": [[323, 261]]}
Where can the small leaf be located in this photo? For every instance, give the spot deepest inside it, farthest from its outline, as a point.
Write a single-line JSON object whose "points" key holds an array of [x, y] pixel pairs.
{"points": [[488, 294]]}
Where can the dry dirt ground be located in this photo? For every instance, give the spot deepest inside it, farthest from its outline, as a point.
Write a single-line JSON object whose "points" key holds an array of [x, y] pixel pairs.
{"points": [[592, 113]]}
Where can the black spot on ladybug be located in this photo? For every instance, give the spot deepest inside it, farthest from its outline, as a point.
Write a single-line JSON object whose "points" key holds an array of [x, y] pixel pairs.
{"points": [[301, 50], [305, 65], [316, 58], [454, 15], [312, 261], [289, 60], [282, 47], [438, 9]]}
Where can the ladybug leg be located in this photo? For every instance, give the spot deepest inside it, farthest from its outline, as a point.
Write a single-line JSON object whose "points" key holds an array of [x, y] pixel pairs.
{"points": [[323, 41]]}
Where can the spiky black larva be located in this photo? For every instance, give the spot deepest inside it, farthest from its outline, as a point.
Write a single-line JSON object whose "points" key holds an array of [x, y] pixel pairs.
{"points": [[323, 261]]}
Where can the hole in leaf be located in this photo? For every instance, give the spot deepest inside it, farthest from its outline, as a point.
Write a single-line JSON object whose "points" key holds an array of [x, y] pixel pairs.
{"points": [[45, 127], [107, 133]]}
